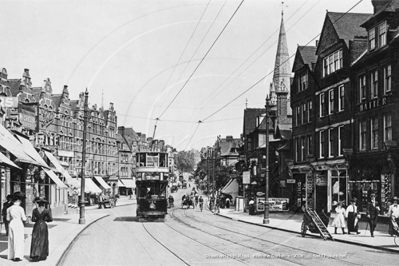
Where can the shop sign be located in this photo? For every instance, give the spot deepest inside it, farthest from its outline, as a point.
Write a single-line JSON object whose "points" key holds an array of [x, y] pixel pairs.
{"points": [[374, 103], [290, 181], [246, 177], [275, 204]]}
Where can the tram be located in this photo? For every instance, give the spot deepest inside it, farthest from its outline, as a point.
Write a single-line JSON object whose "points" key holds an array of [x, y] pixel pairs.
{"points": [[151, 184]]}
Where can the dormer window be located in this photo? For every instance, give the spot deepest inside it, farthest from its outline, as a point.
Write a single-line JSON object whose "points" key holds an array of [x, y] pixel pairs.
{"points": [[332, 62], [371, 39], [303, 81], [382, 34]]}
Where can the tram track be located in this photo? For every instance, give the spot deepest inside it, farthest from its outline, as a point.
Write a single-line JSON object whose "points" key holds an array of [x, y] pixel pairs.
{"points": [[293, 249], [193, 239]]}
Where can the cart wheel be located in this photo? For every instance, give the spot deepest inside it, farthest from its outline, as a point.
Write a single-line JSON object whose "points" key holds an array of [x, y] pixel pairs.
{"points": [[303, 229], [395, 240]]}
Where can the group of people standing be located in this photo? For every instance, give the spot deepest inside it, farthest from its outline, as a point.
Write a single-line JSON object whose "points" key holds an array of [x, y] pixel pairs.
{"points": [[14, 218], [350, 216]]}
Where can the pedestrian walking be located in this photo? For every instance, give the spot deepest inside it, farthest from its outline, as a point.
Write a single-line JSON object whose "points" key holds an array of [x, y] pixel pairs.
{"points": [[6, 205], [339, 220], [227, 203], [39, 248], [393, 213], [16, 216], [372, 211], [251, 204], [352, 216], [201, 202]]}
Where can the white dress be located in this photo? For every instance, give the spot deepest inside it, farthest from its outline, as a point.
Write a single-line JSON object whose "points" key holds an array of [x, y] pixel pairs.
{"points": [[339, 220], [16, 244]]}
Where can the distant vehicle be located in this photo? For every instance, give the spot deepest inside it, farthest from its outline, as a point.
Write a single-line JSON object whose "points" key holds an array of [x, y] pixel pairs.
{"points": [[151, 183], [173, 189]]}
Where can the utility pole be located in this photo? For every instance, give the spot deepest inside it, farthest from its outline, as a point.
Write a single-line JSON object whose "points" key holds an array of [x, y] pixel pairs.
{"points": [[266, 206], [82, 219]]}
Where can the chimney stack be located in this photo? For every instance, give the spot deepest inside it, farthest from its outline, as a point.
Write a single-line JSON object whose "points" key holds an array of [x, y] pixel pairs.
{"points": [[379, 4]]}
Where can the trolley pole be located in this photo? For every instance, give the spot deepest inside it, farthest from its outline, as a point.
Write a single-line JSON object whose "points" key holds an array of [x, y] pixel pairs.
{"points": [[82, 219], [266, 213]]}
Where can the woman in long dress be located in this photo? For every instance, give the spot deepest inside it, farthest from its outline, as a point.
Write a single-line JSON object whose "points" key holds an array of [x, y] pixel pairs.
{"points": [[352, 215], [16, 216], [339, 220], [39, 249]]}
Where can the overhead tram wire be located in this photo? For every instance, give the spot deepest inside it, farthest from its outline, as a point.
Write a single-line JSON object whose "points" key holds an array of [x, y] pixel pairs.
{"points": [[195, 131], [185, 48], [198, 46], [205, 100], [256, 83], [217, 38]]}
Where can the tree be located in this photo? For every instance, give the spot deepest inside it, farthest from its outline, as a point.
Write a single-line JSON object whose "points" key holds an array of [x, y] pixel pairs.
{"points": [[185, 161]]}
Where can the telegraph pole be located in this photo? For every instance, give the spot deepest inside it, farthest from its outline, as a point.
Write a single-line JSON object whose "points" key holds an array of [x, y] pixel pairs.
{"points": [[82, 219], [266, 213]]}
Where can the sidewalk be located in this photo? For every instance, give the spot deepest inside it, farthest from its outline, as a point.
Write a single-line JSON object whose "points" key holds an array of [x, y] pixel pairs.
{"points": [[62, 232], [291, 222]]}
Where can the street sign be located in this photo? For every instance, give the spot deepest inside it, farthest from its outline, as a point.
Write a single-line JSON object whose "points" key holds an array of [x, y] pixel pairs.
{"points": [[290, 181], [246, 177]]}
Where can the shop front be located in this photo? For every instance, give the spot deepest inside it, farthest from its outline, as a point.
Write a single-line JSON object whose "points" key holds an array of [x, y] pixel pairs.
{"points": [[372, 175]]}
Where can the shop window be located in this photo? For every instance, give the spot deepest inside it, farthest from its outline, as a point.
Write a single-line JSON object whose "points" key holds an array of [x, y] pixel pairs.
{"points": [[339, 183]]}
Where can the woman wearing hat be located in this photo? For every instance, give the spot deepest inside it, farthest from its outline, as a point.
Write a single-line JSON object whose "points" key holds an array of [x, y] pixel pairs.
{"points": [[352, 215], [393, 213], [39, 248], [16, 216], [339, 220]]}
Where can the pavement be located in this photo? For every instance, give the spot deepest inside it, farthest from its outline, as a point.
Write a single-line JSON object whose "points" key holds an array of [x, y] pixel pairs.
{"points": [[291, 222], [62, 233]]}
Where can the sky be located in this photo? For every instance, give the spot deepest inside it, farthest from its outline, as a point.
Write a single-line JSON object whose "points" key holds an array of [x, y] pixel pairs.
{"points": [[175, 60]]}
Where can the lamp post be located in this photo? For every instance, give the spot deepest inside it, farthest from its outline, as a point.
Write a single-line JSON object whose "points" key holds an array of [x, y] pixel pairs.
{"points": [[82, 219], [266, 209]]}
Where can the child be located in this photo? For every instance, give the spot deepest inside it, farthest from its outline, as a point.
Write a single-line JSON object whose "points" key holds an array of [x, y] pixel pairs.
{"points": [[339, 220]]}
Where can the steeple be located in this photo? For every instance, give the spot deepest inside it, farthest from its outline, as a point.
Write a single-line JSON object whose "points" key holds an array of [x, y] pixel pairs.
{"points": [[282, 68]]}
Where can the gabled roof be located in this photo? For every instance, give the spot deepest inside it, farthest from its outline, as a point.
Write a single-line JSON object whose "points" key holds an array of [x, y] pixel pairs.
{"points": [[346, 25], [305, 55], [250, 115]]}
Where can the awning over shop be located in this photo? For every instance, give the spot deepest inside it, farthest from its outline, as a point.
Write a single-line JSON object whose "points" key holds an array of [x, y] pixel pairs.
{"points": [[102, 182], [6, 161], [55, 178], [231, 188], [90, 186], [59, 168], [10, 143], [31, 151], [128, 183], [120, 184]]}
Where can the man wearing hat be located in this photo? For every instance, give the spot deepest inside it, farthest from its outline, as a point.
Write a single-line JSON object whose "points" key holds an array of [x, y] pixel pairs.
{"points": [[372, 211]]}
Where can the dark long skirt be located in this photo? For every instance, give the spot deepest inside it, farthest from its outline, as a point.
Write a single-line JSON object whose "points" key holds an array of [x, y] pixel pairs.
{"points": [[40, 245], [352, 227]]}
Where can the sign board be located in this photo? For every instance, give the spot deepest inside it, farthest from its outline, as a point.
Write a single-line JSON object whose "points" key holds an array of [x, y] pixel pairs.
{"points": [[246, 177], [9, 102], [275, 204], [290, 181]]}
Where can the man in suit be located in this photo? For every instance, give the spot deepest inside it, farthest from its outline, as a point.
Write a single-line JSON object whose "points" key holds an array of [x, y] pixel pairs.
{"points": [[372, 213]]}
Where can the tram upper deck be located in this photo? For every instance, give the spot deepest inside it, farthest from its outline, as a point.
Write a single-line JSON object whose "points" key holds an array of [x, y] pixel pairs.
{"points": [[152, 162]]}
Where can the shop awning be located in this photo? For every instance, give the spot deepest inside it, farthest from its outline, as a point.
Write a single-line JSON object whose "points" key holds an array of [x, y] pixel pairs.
{"points": [[10, 143], [31, 151], [90, 186], [55, 178], [73, 182], [231, 188], [120, 184], [6, 161], [128, 183], [102, 182], [59, 167]]}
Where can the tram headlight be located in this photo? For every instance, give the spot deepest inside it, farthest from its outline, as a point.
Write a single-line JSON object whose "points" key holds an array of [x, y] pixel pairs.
{"points": [[152, 205]]}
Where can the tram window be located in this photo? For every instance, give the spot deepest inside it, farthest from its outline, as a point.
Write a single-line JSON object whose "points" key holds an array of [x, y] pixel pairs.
{"points": [[152, 159], [142, 159], [162, 160]]}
